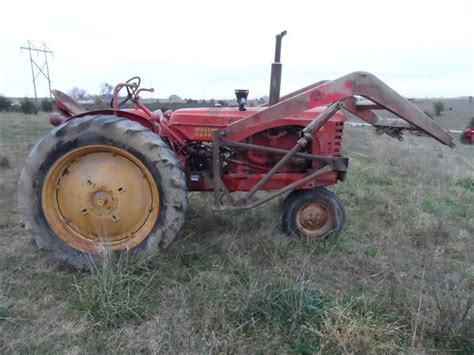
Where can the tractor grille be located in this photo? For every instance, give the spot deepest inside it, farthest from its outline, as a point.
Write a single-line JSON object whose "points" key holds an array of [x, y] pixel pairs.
{"points": [[338, 138]]}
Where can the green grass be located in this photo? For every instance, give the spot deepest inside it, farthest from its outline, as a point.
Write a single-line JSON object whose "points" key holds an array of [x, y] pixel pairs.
{"points": [[445, 205], [466, 183], [362, 303], [288, 308], [5, 309]]}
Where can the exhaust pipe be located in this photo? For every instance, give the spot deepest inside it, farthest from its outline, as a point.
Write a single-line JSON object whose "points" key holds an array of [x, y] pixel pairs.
{"points": [[275, 76]]}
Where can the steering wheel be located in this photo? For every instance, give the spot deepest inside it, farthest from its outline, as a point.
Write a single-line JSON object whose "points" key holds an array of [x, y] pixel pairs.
{"points": [[136, 80]]}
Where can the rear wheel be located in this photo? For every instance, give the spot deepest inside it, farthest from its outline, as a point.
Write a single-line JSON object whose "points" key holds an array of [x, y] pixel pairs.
{"points": [[314, 214], [102, 183]]}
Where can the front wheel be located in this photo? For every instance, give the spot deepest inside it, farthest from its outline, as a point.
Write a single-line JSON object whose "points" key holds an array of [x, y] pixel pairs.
{"points": [[102, 183], [314, 214]]}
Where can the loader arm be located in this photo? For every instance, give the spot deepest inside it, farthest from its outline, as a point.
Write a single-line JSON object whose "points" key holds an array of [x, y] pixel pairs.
{"points": [[344, 89]]}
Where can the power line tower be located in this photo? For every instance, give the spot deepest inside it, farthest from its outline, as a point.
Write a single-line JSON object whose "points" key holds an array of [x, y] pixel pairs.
{"points": [[39, 66]]}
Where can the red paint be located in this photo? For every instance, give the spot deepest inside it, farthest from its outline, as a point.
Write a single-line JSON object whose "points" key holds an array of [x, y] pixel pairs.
{"points": [[467, 137], [131, 114], [188, 121]]}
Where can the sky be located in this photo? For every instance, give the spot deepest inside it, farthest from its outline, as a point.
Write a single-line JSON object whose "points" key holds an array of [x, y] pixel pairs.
{"points": [[206, 49]]}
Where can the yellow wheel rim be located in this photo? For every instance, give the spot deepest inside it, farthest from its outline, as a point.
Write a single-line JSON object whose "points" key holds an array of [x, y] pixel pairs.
{"points": [[100, 197]]}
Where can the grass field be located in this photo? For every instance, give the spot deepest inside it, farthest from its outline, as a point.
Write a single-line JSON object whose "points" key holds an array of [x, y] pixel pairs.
{"points": [[455, 116], [400, 278]]}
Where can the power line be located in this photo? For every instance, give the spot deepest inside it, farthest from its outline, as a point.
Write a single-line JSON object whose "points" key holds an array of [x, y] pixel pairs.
{"points": [[38, 67]]}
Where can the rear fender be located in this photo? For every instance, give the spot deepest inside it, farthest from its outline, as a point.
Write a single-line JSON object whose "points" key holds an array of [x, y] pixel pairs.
{"points": [[144, 121]]}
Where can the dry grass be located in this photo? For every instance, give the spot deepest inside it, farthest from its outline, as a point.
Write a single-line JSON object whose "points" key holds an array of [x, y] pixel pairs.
{"points": [[361, 325], [457, 114], [457, 111], [113, 294], [399, 279]]}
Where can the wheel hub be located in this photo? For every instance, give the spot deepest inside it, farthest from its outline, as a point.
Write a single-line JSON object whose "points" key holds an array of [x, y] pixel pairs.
{"points": [[314, 219], [102, 202], [100, 199], [100, 196]]}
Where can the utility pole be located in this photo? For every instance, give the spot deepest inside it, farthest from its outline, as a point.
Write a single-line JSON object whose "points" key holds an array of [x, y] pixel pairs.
{"points": [[38, 67]]}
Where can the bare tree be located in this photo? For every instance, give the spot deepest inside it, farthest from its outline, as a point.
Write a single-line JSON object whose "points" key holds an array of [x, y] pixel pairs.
{"points": [[106, 91], [78, 94]]}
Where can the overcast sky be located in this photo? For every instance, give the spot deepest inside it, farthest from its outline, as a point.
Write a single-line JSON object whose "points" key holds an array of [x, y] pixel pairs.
{"points": [[206, 49]]}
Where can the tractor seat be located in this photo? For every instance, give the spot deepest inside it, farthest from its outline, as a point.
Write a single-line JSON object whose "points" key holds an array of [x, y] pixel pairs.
{"points": [[66, 104]]}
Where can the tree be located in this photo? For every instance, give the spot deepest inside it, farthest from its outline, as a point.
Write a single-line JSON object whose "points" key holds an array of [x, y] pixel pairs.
{"points": [[438, 107], [471, 124], [46, 105], [263, 99], [5, 103], [174, 98], [106, 91], [99, 103], [78, 94], [28, 106]]}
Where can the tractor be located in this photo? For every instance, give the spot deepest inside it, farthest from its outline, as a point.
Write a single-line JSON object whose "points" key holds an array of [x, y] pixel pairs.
{"points": [[117, 179], [467, 136]]}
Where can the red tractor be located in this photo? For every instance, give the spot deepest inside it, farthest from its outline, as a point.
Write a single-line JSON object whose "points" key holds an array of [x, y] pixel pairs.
{"points": [[117, 179], [467, 136]]}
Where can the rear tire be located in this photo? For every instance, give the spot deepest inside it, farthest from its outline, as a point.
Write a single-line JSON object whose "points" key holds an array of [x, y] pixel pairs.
{"points": [[314, 214], [134, 205]]}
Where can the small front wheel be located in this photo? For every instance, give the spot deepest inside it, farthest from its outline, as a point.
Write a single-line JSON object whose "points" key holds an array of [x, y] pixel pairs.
{"points": [[314, 214]]}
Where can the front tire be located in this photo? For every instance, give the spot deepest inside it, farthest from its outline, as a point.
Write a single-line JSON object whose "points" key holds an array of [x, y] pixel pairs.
{"points": [[314, 214], [102, 183]]}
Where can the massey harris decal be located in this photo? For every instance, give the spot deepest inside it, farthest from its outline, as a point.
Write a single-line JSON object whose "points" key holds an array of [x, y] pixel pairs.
{"points": [[203, 132]]}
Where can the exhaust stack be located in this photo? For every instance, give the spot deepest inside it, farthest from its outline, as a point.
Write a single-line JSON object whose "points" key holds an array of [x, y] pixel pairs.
{"points": [[275, 77]]}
